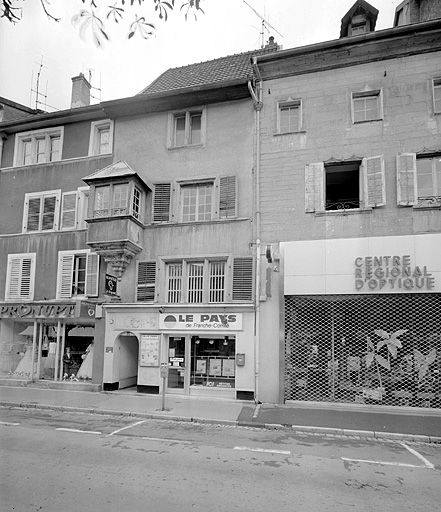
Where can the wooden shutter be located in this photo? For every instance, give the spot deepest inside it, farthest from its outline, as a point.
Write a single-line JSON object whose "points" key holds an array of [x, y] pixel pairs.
{"points": [[69, 210], [65, 274], [92, 270], [374, 182], [406, 179], [49, 213], [227, 197], [314, 185], [20, 280], [145, 286], [161, 202], [242, 279], [33, 214]]}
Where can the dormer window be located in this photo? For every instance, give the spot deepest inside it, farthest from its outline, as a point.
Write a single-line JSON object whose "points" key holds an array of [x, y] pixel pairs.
{"points": [[360, 19]]}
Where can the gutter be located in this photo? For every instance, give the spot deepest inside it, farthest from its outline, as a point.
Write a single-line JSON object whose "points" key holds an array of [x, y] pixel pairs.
{"points": [[257, 242]]}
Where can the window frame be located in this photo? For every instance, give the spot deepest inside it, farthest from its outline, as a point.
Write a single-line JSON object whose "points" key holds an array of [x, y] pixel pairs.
{"points": [[436, 102], [66, 261], [183, 291], [109, 212], [371, 180], [9, 295], [32, 138], [96, 127], [167, 199], [378, 95], [289, 103], [187, 115], [42, 196]]}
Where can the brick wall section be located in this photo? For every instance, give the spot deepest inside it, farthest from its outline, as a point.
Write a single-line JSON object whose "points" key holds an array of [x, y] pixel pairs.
{"points": [[409, 125]]}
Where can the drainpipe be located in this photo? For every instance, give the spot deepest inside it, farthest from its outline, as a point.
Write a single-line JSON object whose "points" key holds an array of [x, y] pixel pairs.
{"points": [[257, 243]]}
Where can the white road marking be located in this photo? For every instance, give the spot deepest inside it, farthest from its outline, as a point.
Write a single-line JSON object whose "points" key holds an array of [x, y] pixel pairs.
{"points": [[256, 411], [167, 440], [383, 463], [78, 431], [126, 428], [261, 450], [427, 464], [8, 424]]}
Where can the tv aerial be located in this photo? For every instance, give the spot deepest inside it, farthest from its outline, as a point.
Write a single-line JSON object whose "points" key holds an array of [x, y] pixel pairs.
{"points": [[265, 24]]}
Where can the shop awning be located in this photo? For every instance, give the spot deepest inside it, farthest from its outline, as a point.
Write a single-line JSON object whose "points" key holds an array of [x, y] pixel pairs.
{"points": [[85, 331], [29, 331]]}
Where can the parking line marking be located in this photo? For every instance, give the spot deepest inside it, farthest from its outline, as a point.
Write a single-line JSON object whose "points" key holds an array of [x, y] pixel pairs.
{"points": [[428, 464], [384, 463], [168, 440], [262, 450], [126, 428], [9, 424], [78, 431]]}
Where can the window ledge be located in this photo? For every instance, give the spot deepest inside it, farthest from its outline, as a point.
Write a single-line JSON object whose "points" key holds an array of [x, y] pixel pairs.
{"points": [[196, 223], [339, 213], [201, 145], [55, 162], [426, 208], [279, 134], [367, 121]]}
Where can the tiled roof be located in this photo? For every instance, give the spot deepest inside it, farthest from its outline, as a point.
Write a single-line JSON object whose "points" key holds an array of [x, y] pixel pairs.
{"points": [[216, 71], [116, 170]]}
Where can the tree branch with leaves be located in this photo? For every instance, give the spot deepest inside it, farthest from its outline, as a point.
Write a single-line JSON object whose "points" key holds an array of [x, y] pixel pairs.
{"points": [[98, 16]]}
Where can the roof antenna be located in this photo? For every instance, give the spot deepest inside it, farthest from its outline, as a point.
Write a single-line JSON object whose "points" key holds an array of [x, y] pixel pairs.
{"points": [[265, 24]]}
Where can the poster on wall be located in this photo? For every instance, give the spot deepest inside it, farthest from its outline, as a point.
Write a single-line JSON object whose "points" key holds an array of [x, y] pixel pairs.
{"points": [[201, 366], [228, 368], [215, 367], [149, 350]]}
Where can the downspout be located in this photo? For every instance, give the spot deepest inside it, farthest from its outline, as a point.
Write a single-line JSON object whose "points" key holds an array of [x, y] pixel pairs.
{"points": [[257, 108]]}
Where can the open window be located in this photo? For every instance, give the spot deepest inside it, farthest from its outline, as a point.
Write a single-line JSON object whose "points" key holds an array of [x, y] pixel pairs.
{"points": [[346, 185], [78, 273]]}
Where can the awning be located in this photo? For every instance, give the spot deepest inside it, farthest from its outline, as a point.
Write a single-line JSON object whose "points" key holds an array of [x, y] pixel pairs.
{"points": [[29, 331], [85, 331]]}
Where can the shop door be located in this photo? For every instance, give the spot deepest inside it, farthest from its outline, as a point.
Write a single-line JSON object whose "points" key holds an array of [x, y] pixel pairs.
{"points": [[178, 347]]}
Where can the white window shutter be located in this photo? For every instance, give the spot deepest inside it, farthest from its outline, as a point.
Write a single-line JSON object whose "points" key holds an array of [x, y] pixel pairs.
{"points": [[227, 197], [69, 210], [406, 179], [161, 202], [314, 185], [65, 273], [242, 286], [92, 270], [20, 279], [145, 287], [32, 222], [49, 217], [374, 181]]}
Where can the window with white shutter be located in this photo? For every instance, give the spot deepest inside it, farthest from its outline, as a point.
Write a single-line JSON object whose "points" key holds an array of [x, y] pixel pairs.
{"points": [[242, 289], [437, 95], [227, 197], [69, 210], [20, 276], [374, 181], [78, 273], [146, 281], [345, 185], [161, 202], [41, 211], [428, 170]]}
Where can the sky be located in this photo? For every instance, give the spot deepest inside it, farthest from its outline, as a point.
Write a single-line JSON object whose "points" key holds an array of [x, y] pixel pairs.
{"points": [[123, 67]]}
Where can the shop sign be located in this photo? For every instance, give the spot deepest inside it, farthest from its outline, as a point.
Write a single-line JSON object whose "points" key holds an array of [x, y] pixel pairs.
{"points": [[390, 273], [201, 321], [38, 310], [111, 285], [86, 309], [215, 384]]}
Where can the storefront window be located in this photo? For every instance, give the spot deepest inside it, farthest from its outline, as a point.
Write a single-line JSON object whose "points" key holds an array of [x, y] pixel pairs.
{"points": [[213, 362]]}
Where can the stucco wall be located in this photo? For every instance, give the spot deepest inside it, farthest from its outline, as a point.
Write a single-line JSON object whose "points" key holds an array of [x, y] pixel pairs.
{"points": [[409, 125]]}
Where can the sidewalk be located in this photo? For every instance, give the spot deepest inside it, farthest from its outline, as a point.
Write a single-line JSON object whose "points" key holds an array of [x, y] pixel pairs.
{"points": [[334, 419]]}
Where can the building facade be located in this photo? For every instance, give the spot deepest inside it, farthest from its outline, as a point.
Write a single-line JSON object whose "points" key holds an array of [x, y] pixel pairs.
{"points": [[351, 216]]}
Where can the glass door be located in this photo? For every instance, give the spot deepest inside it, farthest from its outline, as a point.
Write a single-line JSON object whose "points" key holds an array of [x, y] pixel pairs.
{"points": [[177, 372]]}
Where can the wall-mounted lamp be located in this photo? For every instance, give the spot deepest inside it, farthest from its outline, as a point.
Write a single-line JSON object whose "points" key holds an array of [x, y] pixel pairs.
{"points": [[226, 340]]}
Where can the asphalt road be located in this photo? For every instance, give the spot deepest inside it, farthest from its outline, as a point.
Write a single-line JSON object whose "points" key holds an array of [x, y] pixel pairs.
{"points": [[54, 461]]}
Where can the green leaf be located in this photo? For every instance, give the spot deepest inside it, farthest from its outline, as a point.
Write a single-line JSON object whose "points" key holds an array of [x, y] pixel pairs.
{"points": [[369, 358], [382, 334]]}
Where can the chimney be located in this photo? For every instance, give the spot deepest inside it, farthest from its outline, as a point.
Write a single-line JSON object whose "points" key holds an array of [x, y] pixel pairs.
{"points": [[80, 92]]}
